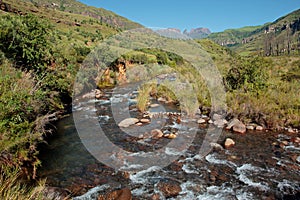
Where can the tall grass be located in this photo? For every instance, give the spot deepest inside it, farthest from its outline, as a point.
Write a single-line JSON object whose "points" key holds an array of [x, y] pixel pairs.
{"points": [[13, 188]]}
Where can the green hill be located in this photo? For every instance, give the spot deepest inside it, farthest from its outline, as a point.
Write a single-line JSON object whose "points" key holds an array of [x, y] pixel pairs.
{"points": [[280, 37]]}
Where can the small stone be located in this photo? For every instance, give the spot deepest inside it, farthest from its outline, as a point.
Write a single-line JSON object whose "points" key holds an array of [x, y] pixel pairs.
{"points": [[296, 140], [128, 122], [217, 117], [156, 133], [220, 123], [232, 123], [141, 136], [139, 124], [154, 105], [298, 159], [216, 146], [172, 136], [229, 143], [259, 128], [250, 127], [233, 157], [155, 197], [169, 189], [240, 128], [290, 130], [124, 194], [161, 99], [201, 121], [145, 120], [210, 121]]}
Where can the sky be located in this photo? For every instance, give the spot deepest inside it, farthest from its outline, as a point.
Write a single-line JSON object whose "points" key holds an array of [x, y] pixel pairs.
{"points": [[217, 15]]}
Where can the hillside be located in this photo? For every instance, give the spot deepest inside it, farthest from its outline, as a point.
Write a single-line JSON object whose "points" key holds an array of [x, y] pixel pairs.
{"points": [[277, 38], [232, 37], [73, 6], [77, 22]]}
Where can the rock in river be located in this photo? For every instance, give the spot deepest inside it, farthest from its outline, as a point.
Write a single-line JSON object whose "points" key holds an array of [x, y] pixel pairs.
{"points": [[128, 122], [237, 126], [156, 133], [229, 143], [121, 194], [169, 189]]}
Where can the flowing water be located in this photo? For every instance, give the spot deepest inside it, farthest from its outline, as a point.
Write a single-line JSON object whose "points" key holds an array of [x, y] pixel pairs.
{"points": [[262, 165]]}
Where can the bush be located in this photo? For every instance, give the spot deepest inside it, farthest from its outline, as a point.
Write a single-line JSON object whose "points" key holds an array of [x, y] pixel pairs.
{"points": [[249, 74], [26, 41]]}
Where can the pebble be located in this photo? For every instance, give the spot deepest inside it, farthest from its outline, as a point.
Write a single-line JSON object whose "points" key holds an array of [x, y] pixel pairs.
{"points": [[156, 133], [298, 159], [145, 120], [201, 121], [229, 143], [154, 105]]}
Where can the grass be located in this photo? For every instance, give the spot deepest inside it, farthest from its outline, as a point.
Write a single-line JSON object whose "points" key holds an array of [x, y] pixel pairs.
{"points": [[12, 187]]}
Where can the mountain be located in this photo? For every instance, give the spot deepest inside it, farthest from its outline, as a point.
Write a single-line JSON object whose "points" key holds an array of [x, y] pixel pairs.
{"points": [[276, 38], [197, 33], [231, 37]]}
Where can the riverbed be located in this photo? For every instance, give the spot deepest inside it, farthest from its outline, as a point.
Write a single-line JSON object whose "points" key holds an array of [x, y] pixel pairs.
{"points": [[261, 164]]}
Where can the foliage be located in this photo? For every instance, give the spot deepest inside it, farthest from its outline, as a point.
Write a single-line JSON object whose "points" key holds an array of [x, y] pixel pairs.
{"points": [[26, 40], [293, 74], [20, 103], [250, 74], [12, 188]]}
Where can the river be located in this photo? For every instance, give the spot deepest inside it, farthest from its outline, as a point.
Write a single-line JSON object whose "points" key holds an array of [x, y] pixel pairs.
{"points": [[261, 165]]}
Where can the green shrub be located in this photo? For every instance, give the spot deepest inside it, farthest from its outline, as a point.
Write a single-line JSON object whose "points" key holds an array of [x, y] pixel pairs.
{"points": [[250, 74], [26, 40]]}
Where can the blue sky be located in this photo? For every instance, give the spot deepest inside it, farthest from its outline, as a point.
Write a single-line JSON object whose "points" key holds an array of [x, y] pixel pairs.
{"points": [[217, 15]]}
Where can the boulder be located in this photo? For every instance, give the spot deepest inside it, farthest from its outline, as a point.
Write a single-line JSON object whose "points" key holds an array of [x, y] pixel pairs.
{"points": [[169, 189], [128, 122], [229, 143]]}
